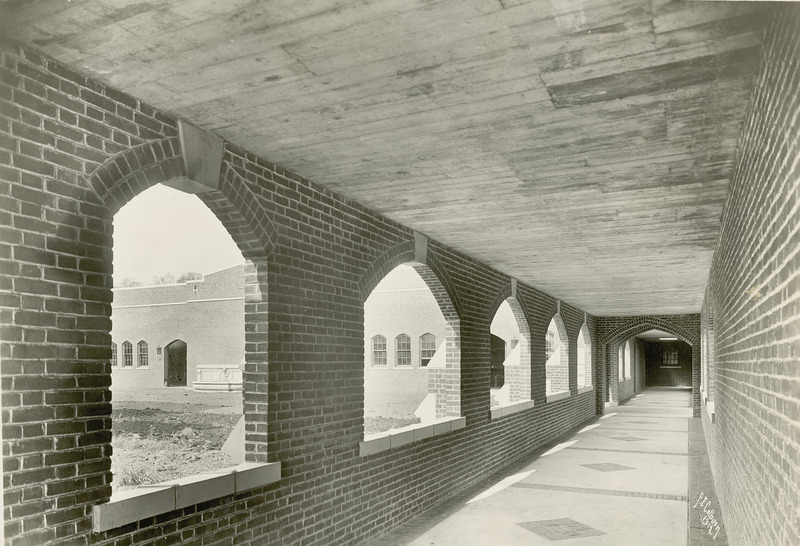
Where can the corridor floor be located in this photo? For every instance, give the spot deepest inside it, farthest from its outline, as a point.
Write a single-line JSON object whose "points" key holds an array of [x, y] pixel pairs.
{"points": [[623, 479]]}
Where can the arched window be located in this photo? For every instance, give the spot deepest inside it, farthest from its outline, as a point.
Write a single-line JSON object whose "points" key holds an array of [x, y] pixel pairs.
{"points": [[621, 362], [427, 348], [114, 354], [510, 355], [142, 356], [402, 346], [556, 351], [379, 351], [127, 354], [231, 305], [419, 381], [584, 358], [628, 359]]}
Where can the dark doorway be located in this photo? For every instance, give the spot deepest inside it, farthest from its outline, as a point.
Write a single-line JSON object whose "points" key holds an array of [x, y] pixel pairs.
{"points": [[498, 357], [175, 365], [668, 363]]}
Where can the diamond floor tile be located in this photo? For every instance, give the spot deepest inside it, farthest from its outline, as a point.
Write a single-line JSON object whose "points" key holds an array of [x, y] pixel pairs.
{"points": [[607, 467], [560, 529]]}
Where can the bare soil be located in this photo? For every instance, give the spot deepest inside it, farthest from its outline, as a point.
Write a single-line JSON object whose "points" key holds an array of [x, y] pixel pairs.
{"points": [[170, 433], [164, 434]]}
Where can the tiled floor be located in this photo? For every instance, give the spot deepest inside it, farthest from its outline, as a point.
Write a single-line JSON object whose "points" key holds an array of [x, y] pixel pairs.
{"points": [[620, 480]]}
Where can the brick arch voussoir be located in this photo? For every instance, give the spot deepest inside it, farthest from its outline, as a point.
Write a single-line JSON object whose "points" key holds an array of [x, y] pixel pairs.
{"points": [[641, 325], [587, 334], [441, 276], [129, 173], [504, 294], [263, 236], [440, 293], [561, 326], [399, 254]]}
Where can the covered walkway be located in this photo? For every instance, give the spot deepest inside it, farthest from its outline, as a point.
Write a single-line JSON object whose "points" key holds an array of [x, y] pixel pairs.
{"points": [[623, 479]]}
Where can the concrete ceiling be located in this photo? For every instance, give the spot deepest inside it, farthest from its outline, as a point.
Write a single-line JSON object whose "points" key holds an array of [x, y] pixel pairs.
{"points": [[584, 147]]}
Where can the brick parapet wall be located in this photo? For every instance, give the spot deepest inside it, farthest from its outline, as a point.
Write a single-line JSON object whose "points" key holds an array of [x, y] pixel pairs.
{"points": [[754, 440], [303, 380]]}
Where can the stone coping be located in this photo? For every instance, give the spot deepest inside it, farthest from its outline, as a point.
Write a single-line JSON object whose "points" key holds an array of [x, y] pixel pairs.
{"points": [[516, 407], [151, 500], [384, 441], [558, 396]]}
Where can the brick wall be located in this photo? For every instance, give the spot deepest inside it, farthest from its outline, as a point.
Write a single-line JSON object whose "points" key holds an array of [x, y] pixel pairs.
{"points": [[72, 152], [639, 372], [708, 347], [660, 373], [754, 441]]}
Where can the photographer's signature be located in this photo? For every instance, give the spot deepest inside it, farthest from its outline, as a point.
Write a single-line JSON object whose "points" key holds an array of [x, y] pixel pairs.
{"points": [[707, 519]]}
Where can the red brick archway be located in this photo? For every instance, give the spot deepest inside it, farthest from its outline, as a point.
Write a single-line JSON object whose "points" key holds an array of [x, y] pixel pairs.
{"points": [[444, 382], [137, 169], [611, 342]]}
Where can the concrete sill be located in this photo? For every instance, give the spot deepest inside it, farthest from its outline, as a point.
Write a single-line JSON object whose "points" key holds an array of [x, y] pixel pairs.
{"points": [[710, 411], [384, 441], [557, 396], [151, 500], [582, 390], [516, 407]]}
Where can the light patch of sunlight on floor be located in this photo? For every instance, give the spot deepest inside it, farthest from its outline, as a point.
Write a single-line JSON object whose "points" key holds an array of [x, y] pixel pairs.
{"points": [[590, 427], [559, 447], [502, 484], [608, 415]]}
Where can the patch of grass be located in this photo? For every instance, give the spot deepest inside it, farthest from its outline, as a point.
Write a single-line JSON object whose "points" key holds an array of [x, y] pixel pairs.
{"points": [[375, 424], [135, 473]]}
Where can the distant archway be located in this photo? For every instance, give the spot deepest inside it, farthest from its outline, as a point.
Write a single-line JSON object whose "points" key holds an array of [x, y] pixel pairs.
{"points": [[612, 341]]}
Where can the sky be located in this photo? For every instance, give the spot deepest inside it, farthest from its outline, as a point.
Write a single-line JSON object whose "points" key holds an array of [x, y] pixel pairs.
{"points": [[163, 230]]}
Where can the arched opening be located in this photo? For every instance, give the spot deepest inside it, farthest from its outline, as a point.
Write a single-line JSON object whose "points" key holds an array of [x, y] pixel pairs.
{"points": [[584, 371], [646, 357], [510, 355], [630, 362], [411, 348], [557, 357], [175, 357], [497, 357], [667, 360], [180, 284]]}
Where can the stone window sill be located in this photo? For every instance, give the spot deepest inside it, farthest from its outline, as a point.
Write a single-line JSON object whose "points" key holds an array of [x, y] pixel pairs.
{"points": [[516, 407], [557, 396], [582, 390], [151, 500], [384, 441]]}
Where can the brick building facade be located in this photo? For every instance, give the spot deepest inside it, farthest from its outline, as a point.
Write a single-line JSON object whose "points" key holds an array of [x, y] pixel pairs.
{"points": [[401, 305], [206, 315], [73, 151]]}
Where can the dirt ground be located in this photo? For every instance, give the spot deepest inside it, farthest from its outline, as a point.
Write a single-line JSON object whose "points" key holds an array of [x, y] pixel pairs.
{"points": [[164, 434]]}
